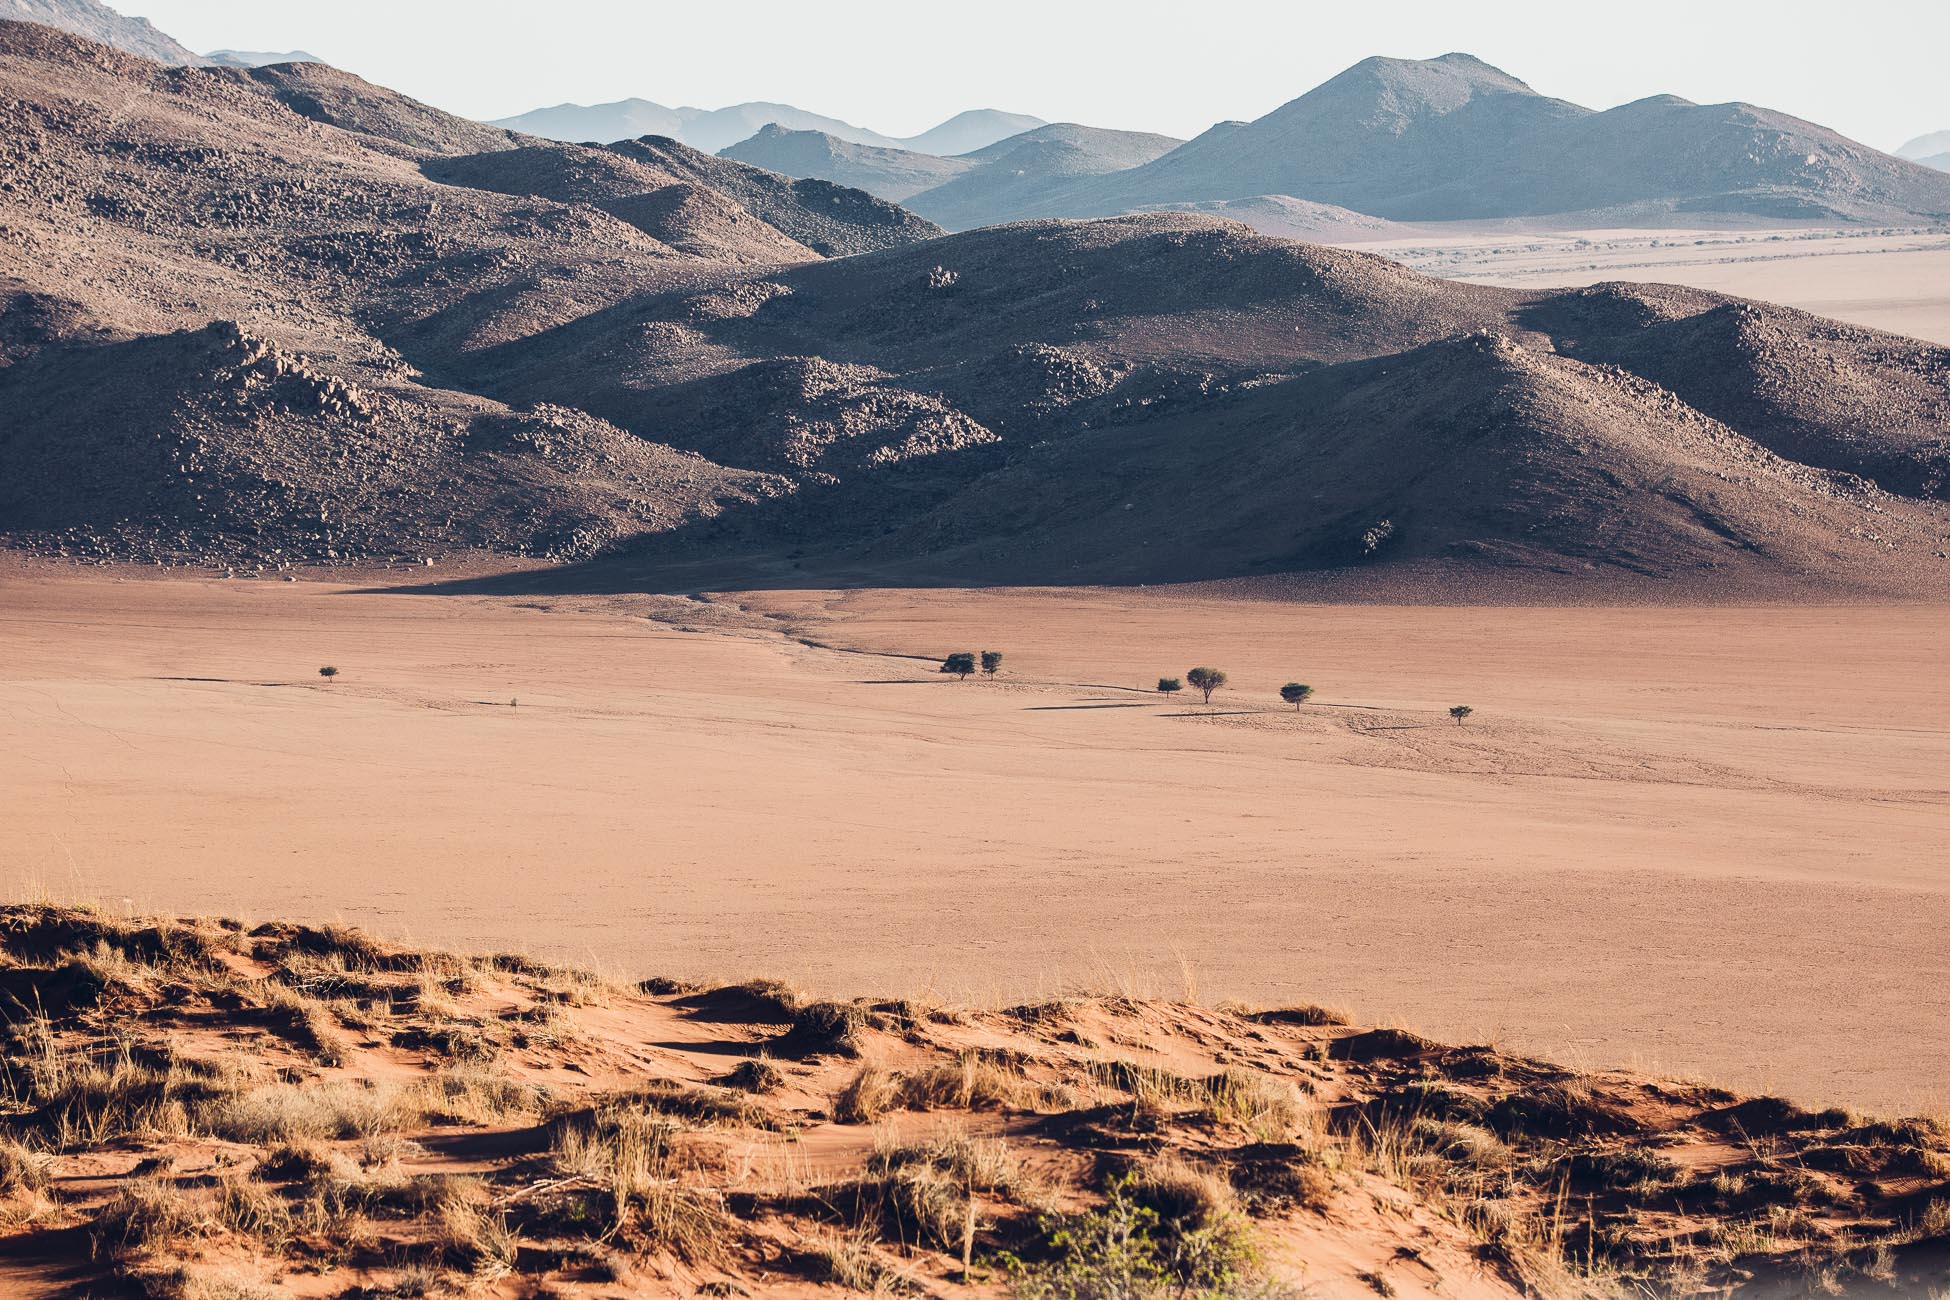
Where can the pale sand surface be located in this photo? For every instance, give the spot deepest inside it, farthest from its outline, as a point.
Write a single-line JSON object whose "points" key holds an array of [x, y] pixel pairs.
{"points": [[1896, 282], [1700, 840]]}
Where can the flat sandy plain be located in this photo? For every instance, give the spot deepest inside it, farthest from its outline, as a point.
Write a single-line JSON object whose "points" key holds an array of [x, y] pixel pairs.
{"points": [[1891, 280], [1701, 840]]}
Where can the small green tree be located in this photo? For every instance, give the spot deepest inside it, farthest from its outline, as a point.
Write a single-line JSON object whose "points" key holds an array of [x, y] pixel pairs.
{"points": [[1206, 680], [960, 664], [1460, 712], [1170, 685], [328, 672], [1296, 693], [991, 662]]}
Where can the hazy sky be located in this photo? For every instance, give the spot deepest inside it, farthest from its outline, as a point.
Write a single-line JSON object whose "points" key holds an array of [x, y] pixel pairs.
{"points": [[1873, 70]]}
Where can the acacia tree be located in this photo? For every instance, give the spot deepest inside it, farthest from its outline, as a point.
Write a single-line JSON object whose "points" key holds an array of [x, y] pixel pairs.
{"points": [[991, 662], [328, 672], [1296, 693], [960, 664], [1206, 680], [1170, 686], [1460, 712]]}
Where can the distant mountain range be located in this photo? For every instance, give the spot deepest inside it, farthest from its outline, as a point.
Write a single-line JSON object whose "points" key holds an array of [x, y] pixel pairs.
{"points": [[714, 129], [1390, 140], [258, 58], [1443, 139], [1931, 150], [978, 188]]}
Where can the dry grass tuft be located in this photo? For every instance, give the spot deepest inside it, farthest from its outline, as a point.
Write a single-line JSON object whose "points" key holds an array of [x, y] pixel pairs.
{"points": [[852, 1261], [145, 1216], [248, 1209], [868, 1095], [756, 1075], [472, 1093], [969, 1082], [629, 1157]]}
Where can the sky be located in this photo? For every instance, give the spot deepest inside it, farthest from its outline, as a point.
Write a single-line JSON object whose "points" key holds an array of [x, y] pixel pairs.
{"points": [[1872, 69]]}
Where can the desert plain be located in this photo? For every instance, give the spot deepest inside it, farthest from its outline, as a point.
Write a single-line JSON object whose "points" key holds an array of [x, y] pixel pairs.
{"points": [[1701, 840], [1895, 280]]}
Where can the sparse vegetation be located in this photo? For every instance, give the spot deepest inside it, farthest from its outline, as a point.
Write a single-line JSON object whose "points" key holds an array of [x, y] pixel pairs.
{"points": [[1205, 681], [206, 1079], [1132, 1249]]}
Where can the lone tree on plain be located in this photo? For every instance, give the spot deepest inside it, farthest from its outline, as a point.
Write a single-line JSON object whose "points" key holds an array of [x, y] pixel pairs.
{"points": [[1460, 712], [961, 664], [991, 662], [1296, 693], [328, 672], [1170, 686], [1206, 680]]}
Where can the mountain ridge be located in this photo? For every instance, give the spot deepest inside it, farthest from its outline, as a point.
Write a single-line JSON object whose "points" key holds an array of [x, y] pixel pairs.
{"points": [[98, 22], [1456, 139], [282, 316], [713, 130]]}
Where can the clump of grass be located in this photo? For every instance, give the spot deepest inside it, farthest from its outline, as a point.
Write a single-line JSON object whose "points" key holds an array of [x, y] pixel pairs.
{"points": [[462, 1039], [478, 1238], [1266, 1108], [144, 1216], [99, 1092], [852, 1260], [868, 1095], [306, 1022], [978, 1164], [573, 988], [630, 1154], [1307, 1016], [472, 1093], [699, 1105], [270, 1114], [1461, 1143], [22, 1169], [248, 1209], [911, 1198], [825, 1029], [971, 1081], [1263, 1106], [1627, 1168], [755, 1075], [1559, 1110]]}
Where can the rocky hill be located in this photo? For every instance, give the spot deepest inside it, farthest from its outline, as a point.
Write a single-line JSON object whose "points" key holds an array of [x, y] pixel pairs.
{"points": [[893, 174], [209, 280], [1165, 398], [282, 316], [98, 22], [201, 1108], [832, 220]]}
